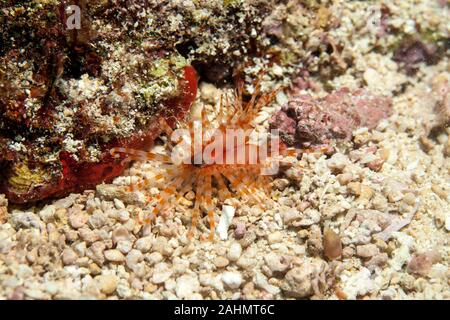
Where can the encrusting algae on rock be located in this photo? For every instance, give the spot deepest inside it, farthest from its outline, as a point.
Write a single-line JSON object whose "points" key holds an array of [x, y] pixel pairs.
{"points": [[67, 96]]}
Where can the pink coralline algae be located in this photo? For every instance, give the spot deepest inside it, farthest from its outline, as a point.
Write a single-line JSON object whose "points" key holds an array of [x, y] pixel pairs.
{"points": [[412, 52], [309, 122], [421, 263]]}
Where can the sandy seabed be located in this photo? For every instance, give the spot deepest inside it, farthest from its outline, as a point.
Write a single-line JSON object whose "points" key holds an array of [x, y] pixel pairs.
{"points": [[393, 219]]}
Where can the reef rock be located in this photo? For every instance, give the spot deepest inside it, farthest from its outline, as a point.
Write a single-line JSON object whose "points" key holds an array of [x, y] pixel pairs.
{"points": [[306, 121]]}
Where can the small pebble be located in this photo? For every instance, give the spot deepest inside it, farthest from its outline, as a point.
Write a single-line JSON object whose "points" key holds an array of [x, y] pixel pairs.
{"points": [[232, 279], [107, 283], [440, 191], [410, 198], [345, 178], [143, 244], [298, 282], [133, 258], [161, 273], [338, 162], [354, 188], [275, 237], [114, 255], [367, 250], [124, 246], [154, 258], [120, 234], [77, 219], [248, 239], [186, 286], [69, 256], [119, 204], [47, 214], [276, 263], [97, 219], [290, 215], [221, 262], [240, 231], [235, 251], [332, 245]]}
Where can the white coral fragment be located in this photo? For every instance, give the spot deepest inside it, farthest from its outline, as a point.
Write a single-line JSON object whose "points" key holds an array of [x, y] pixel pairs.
{"points": [[225, 221]]}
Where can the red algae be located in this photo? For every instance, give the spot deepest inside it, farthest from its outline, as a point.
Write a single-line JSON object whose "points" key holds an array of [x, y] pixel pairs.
{"points": [[76, 176]]}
